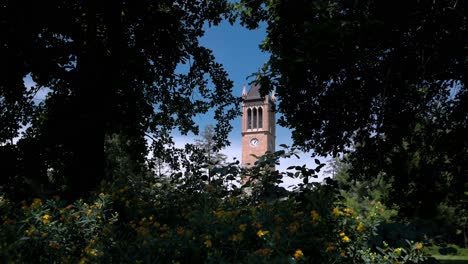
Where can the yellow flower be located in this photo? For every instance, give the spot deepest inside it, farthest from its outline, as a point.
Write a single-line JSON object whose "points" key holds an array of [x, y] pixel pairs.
{"points": [[346, 239], [261, 233], [342, 234], [242, 227], [36, 203], [348, 211], [360, 227], [336, 212], [91, 252], [89, 211], [315, 216], [298, 254], [419, 246], [208, 243], [342, 253], [83, 260], [46, 219]]}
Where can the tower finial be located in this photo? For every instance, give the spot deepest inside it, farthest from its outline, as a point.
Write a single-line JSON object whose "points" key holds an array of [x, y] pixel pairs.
{"points": [[273, 96], [244, 91]]}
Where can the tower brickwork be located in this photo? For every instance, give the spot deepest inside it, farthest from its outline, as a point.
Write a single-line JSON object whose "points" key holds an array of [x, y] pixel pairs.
{"points": [[258, 125]]}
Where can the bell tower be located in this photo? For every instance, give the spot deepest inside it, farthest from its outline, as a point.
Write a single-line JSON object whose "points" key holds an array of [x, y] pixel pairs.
{"points": [[258, 124]]}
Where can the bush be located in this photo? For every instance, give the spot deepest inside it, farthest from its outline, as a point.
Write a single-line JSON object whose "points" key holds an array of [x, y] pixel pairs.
{"points": [[162, 220]]}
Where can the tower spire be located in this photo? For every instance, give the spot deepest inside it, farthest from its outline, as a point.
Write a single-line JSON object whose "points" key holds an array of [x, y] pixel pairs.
{"points": [[244, 91]]}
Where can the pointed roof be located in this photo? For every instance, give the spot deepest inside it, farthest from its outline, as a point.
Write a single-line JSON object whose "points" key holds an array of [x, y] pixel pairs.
{"points": [[254, 92]]}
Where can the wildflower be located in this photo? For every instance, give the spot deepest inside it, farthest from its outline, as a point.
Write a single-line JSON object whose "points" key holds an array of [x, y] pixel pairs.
{"points": [[261, 233], [360, 227], [91, 251], [208, 243], [83, 260], [342, 253], [89, 211], [330, 248], [348, 211], [36, 203], [336, 212], [298, 254], [419, 246], [315, 216], [342, 234], [46, 219], [346, 239], [242, 227]]}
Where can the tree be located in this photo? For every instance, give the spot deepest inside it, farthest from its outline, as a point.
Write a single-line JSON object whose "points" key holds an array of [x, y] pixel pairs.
{"points": [[210, 150], [383, 80], [111, 68]]}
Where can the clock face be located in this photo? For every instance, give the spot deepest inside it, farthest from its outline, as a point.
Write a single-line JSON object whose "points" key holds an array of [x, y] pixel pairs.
{"points": [[254, 142]]}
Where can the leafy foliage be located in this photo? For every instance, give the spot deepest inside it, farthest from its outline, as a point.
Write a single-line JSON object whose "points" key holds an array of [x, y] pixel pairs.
{"points": [[384, 81], [110, 68], [153, 220]]}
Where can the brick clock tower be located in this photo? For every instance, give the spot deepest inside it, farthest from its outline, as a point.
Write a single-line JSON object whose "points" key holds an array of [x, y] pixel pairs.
{"points": [[258, 124]]}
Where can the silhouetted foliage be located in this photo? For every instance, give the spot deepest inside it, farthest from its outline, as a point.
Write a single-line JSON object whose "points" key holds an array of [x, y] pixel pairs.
{"points": [[384, 80], [111, 67]]}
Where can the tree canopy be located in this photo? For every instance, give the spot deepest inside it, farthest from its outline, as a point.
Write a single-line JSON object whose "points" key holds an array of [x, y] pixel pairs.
{"points": [[384, 80], [111, 67]]}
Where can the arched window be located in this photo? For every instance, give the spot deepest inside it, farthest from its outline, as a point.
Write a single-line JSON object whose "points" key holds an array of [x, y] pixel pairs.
{"points": [[260, 117], [249, 119], [254, 121]]}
